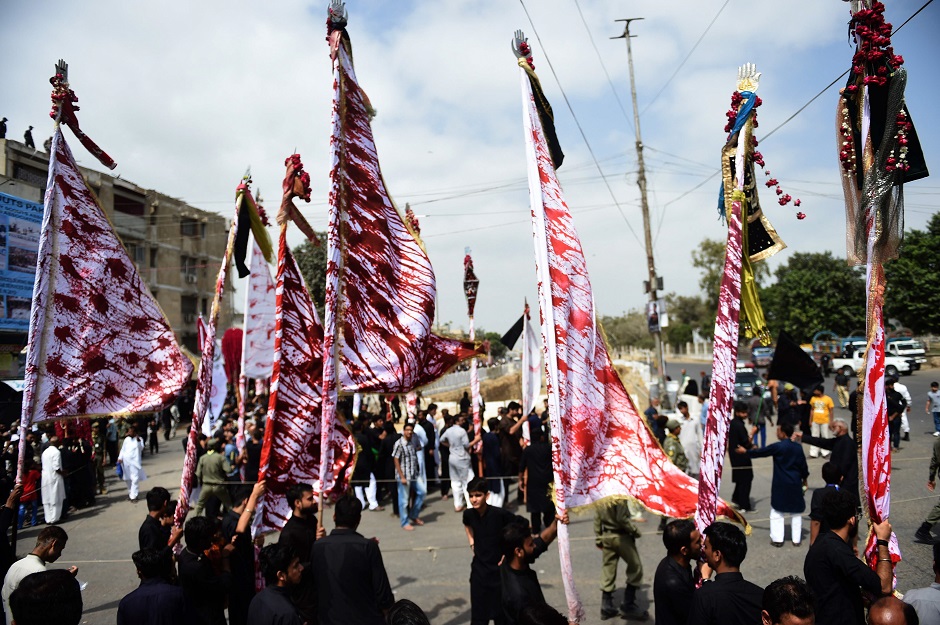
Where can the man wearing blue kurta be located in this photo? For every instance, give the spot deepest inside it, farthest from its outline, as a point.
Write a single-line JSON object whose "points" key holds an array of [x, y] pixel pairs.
{"points": [[786, 490]]}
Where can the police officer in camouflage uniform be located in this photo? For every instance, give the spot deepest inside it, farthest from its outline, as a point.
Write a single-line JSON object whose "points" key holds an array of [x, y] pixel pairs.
{"points": [[615, 536], [673, 447]]}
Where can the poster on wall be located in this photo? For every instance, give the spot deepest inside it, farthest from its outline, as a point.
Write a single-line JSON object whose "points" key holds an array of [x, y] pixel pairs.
{"points": [[20, 223]]}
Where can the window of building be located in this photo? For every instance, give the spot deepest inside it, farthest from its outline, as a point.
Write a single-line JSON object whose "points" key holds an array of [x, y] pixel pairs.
{"points": [[188, 305], [128, 205], [188, 267], [30, 175], [153, 257], [190, 227], [136, 251], [205, 307]]}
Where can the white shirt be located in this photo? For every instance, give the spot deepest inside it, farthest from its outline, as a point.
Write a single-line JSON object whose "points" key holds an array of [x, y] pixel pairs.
{"points": [[20, 569], [926, 602]]}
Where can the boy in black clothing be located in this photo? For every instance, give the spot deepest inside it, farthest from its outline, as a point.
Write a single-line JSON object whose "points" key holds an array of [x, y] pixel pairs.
{"points": [[484, 525], [833, 479]]}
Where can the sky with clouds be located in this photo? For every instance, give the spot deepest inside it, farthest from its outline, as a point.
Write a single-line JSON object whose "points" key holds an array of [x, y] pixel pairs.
{"points": [[186, 95]]}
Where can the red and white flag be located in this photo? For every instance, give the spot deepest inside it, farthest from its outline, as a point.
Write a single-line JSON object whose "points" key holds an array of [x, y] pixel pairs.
{"points": [[601, 446], [380, 286], [291, 450], [258, 336], [98, 342]]}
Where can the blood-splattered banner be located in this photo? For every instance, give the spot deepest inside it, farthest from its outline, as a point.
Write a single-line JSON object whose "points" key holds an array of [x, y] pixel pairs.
{"points": [[258, 351], [531, 365], [291, 451], [379, 279], [601, 447], [98, 341]]}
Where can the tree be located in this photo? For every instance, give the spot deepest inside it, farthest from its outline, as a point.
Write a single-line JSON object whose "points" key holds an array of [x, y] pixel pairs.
{"points": [[629, 330], [311, 260], [691, 312], [912, 295], [813, 292], [497, 349], [710, 259]]}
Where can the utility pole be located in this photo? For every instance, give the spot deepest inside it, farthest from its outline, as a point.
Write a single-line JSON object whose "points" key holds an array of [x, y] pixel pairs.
{"points": [[654, 282]]}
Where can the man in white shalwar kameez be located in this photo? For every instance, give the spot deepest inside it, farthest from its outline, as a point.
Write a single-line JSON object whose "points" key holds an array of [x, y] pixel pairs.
{"points": [[53, 482], [129, 458]]}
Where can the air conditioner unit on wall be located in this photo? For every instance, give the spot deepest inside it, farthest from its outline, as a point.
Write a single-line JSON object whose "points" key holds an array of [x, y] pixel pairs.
{"points": [[192, 278]]}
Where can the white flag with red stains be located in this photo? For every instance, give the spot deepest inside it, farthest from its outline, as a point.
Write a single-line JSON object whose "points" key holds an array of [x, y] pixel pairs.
{"points": [[601, 446], [98, 342], [291, 450]]}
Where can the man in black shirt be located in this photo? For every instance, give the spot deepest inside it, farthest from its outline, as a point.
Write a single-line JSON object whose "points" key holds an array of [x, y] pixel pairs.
{"points": [[535, 467], [299, 533], [896, 406], [730, 599], [833, 479], [352, 585], [519, 583], [157, 531], [741, 472], [673, 584], [844, 453], [484, 526], [156, 601], [282, 572], [787, 600], [204, 571], [835, 574]]}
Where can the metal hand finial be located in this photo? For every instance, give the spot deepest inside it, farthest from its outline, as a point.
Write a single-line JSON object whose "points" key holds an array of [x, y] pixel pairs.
{"points": [[337, 13], [520, 45], [748, 77]]}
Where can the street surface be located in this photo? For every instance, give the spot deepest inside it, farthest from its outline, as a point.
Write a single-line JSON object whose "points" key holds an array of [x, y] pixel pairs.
{"points": [[431, 566]]}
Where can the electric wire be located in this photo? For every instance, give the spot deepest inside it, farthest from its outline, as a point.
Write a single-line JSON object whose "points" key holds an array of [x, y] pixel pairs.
{"points": [[685, 60], [577, 122]]}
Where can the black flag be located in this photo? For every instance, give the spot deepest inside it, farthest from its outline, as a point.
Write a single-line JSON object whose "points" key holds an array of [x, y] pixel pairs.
{"points": [[792, 364], [509, 339]]}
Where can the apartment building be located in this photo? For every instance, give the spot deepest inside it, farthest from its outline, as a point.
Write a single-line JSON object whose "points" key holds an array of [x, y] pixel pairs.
{"points": [[177, 248]]}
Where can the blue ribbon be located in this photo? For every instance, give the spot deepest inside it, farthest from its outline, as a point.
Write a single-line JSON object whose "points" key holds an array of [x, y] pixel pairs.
{"points": [[743, 114]]}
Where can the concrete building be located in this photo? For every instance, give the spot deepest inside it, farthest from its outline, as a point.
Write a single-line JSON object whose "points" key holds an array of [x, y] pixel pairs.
{"points": [[177, 248]]}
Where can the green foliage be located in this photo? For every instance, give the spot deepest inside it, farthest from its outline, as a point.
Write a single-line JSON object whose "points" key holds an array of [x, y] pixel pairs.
{"points": [[912, 295], [497, 349], [629, 330], [815, 291], [691, 312], [710, 259], [311, 260]]}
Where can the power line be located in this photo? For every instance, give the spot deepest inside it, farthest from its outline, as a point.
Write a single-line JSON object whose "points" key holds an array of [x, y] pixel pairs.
{"points": [[578, 123], [601, 61], [786, 121], [687, 57]]}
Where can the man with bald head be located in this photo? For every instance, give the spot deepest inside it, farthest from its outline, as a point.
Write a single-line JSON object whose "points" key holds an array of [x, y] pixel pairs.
{"points": [[890, 610]]}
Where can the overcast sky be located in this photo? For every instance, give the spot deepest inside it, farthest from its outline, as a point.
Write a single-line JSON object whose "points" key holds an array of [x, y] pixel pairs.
{"points": [[186, 95]]}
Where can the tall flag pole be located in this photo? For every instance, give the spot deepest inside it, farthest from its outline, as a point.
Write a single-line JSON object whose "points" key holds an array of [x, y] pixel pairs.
{"points": [[470, 286], [291, 450], [380, 285], [751, 238], [879, 152], [601, 447], [98, 343], [246, 220]]}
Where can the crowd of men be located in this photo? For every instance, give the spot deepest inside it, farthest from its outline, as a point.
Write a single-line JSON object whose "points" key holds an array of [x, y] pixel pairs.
{"points": [[212, 571]]}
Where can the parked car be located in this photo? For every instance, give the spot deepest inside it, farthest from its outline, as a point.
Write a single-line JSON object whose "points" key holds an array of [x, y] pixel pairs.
{"points": [[744, 381], [762, 356]]}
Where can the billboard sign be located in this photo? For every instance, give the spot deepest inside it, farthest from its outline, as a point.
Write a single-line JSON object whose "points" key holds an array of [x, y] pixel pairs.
{"points": [[20, 224]]}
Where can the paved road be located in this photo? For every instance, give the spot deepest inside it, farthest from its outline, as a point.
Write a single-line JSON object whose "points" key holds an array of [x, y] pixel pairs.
{"points": [[431, 566]]}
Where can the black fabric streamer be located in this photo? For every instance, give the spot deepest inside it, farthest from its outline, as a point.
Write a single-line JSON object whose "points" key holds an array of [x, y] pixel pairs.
{"points": [[509, 339], [791, 364], [548, 122], [240, 252]]}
